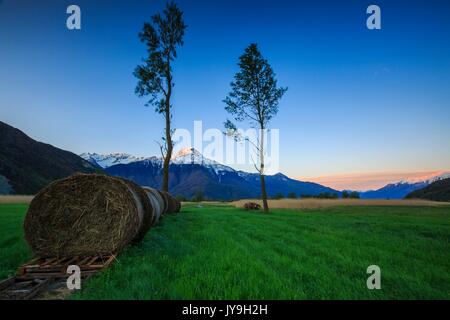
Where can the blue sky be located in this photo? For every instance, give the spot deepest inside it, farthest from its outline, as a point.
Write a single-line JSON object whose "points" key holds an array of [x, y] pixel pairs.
{"points": [[359, 101]]}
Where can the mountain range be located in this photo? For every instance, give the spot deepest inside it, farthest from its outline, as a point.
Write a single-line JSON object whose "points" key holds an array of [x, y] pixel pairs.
{"points": [[27, 165], [437, 191], [401, 189], [192, 174]]}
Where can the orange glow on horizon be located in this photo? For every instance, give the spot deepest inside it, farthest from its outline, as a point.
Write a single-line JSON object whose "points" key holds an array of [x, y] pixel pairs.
{"points": [[370, 180]]}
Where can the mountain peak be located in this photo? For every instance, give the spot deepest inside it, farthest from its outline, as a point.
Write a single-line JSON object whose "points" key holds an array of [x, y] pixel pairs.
{"points": [[188, 151], [110, 159], [398, 190], [427, 178]]}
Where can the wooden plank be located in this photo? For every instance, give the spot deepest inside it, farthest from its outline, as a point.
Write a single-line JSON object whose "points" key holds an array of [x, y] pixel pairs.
{"points": [[61, 261], [110, 260], [106, 261], [22, 284], [38, 289], [7, 282], [92, 260], [84, 260], [55, 267], [52, 269], [34, 261], [48, 262], [72, 261], [20, 288], [55, 274], [20, 271]]}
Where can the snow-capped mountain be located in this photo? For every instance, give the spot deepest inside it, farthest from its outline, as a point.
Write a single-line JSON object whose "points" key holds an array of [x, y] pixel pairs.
{"points": [[436, 176], [192, 156], [400, 189], [184, 156], [436, 191], [110, 159], [192, 173]]}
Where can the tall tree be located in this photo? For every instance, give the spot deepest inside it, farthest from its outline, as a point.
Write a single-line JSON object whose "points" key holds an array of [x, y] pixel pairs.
{"points": [[162, 36], [254, 97]]}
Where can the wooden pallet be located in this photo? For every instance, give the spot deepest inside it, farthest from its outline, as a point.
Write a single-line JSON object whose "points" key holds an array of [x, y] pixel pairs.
{"points": [[35, 277], [57, 267]]}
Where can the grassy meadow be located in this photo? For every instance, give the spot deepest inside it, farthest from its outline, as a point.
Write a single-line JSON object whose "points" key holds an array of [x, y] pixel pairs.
{"points": [[223, 252]]}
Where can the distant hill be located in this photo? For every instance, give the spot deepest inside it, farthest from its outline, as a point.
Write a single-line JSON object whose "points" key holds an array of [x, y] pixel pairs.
{"points": [[191, 173], [437, 191], [401, 189], [27, 165], [393, 190]]}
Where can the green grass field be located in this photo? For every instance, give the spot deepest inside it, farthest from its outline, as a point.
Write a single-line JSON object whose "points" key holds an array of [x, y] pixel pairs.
{"points": [[227, 253]]}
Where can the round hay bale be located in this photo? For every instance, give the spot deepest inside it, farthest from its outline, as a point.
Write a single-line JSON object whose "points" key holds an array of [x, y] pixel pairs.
{"points": [[86, 215], [252, 206], [146, 210], [157, 203], [165, 197], [178, 205], [172, 206]]}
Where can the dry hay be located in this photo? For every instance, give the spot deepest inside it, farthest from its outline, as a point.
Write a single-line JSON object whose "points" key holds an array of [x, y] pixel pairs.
{"points": [[171, 202], [15, 199], [178, 205], [86, 215], [146, 210], [157, 202], [165, 198]]}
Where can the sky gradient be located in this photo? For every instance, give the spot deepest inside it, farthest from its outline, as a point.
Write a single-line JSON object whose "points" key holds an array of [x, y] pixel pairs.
{"points": [[360, 103]]}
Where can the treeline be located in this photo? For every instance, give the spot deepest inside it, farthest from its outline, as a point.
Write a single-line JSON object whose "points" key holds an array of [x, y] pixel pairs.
{"points": [[199, 197], [437, 191], [322, 195]]}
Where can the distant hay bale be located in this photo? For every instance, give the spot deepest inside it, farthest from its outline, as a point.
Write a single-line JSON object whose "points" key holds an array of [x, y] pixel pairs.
{"points": [[171, 202], [87, 215], [178, 205], [252, 206]]}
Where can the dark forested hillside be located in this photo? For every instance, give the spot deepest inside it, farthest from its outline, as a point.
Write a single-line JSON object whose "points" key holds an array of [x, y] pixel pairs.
{"points": [[437, 191], [27, 165]]}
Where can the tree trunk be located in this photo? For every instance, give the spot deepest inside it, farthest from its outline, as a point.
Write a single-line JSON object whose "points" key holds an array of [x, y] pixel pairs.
{"points": [[165, 184], [261, 171], [264, 194]]}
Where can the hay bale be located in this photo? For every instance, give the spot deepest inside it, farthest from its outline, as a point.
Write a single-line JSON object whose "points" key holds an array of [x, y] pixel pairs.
{"points": [[252, 206], [171, 202], [178, 204], [147, 213], [165, 197], [87, 215], [157, 203]]}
